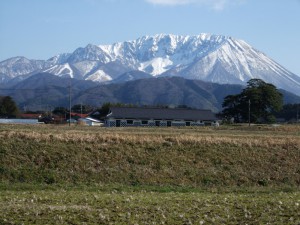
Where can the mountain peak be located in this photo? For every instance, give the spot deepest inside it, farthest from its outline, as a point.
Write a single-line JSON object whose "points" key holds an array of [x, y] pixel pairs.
{"points": [[208, 57], [15, 60]]}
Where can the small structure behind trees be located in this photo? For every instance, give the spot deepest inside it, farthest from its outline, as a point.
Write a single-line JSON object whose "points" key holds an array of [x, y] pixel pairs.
{"points": [[258, 102]]}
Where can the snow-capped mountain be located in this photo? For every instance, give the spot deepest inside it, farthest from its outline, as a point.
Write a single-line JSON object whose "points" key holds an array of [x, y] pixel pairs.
{"points": [[212, 58], [18, 66]]}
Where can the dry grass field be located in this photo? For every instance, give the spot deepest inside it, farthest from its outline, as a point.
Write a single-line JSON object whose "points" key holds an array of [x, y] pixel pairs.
{"points": [[91, 175]]}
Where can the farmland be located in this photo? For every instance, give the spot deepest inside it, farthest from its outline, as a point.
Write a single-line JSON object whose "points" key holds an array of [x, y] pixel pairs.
{"points": [[88, 175]]}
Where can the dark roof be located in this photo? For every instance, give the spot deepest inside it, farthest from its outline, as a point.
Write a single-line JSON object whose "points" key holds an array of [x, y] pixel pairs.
{"points": [[160, 113]]}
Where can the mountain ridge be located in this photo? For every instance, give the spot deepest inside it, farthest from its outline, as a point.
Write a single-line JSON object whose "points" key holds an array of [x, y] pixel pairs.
{"points": [[212, 58], [44, 91]]}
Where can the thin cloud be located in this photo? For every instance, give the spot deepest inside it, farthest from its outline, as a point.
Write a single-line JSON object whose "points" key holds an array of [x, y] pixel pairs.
{"points": [[217, 5], [170, 2]]}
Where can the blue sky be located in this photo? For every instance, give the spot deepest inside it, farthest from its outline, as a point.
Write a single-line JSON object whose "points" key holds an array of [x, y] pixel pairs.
{"points": [[40, 29]]}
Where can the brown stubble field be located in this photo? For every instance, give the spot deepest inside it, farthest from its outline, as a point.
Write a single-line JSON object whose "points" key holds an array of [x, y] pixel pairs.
{"points": [[89, 175]]}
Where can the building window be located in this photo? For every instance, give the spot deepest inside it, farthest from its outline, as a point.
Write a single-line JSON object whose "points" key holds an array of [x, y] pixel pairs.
{"points": [[130, 122], [144, 122], [188, 123]]}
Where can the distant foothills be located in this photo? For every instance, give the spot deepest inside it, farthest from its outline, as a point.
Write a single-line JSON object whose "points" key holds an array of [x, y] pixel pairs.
{"points": [[160, 70], [45, 92]]}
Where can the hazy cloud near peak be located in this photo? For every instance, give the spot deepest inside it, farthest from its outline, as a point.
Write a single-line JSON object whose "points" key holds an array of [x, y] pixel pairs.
{"points": [[215, 4]]}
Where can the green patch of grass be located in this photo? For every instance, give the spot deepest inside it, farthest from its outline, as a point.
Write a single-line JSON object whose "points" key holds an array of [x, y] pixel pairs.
{"points": [[77, 206]]}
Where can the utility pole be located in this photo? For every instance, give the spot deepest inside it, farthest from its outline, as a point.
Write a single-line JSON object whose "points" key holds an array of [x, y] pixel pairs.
{"points": [[70, 105], [297, 114], [249, 111]]}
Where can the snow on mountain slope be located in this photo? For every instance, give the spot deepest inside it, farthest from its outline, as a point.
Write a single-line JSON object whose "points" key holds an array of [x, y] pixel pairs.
{"points": [[155, 54], [59, 59], [19, 66], [99, 76], [156, 66], [90, 53], [237, 62], [213, 58], [61, 70]]}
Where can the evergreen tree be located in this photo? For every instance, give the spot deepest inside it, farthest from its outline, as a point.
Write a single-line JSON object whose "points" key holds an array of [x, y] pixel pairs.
{"points": [[261, 98], [232, 108], [290, 112], [8, 107]]}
